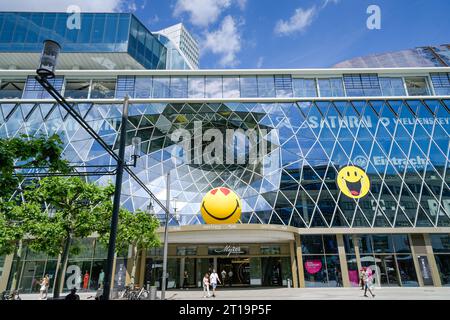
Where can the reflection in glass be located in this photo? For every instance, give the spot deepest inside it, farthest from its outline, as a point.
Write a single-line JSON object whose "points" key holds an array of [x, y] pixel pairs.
{"points": [[103, 89], [417, 86], [77, 89]]}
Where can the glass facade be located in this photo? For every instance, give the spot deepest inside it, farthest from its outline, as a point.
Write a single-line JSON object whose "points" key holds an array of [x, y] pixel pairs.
{"points": [[98, 33], [402, 145]]}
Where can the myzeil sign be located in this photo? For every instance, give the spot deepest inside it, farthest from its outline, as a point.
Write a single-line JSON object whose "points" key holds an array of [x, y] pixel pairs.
{"points": [[229, 250], [368, 122]]}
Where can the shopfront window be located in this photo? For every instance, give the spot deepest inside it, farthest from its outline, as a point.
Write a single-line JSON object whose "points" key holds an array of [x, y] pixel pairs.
{"points": [[441, 248], [320, 261], [389, 258]]}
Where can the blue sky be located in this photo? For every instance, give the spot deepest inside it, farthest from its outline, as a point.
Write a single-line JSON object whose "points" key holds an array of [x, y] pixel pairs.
{"points": [[281, 33]]}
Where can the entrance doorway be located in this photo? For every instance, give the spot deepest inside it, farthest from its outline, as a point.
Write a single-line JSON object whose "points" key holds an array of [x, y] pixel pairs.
{"points": [[271, 271], [240, 268]]}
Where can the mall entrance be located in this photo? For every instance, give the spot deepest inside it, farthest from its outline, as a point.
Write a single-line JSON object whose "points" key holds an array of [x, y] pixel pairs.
{"points": [[240, 271]]}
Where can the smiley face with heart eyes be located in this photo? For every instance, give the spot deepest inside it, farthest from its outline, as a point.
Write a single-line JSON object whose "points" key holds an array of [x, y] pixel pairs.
{"points": [[353, 182], [221, 206]]}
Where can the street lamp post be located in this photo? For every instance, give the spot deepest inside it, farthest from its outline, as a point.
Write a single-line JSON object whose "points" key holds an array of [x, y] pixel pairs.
{"points": [[166, 224], [46, 71], [116, 203]]}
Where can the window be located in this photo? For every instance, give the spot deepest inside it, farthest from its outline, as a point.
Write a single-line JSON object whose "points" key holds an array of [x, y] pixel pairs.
{"points": [[358, 85], [103, 89], [392, 87], [332, 87], [196, 86], [231, 87], [33, 90], [417, 86], [266, 86], [283, 86], [213, 87], [304, 87], [143, 87], [249, 87], [441, 83], [77, 89], [178, 87], [125, 85], [161, 87], [11, 88]]}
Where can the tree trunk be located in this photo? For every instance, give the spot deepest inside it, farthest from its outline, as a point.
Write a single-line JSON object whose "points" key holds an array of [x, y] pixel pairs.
{"points": [[133, 270], [61, 268], [18, 272]]}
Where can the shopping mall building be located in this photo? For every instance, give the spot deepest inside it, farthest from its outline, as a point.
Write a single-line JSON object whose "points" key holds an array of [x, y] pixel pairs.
{"points": [[300, 224]]}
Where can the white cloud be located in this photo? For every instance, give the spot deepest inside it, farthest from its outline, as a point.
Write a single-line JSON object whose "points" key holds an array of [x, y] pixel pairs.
{"points": [[225, 41], [301, 19], [242, 4], [201, 12], [62, 5]]}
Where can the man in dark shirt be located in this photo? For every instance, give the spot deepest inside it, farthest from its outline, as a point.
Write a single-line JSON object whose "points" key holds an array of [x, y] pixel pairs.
{"points": [[73, 295]]}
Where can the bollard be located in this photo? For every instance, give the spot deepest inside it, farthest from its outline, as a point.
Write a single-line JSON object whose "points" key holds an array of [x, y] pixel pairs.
{"points": [[289, 283]]}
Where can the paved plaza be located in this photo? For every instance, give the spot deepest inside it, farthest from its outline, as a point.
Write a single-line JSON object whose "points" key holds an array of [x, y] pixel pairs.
{"points": [[296, 294]]}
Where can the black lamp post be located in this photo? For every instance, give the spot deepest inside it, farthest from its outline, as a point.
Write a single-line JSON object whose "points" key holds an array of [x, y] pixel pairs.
{"points": [[46, 71]]}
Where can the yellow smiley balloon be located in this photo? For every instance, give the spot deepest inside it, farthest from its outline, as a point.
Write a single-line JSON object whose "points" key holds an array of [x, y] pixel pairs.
{"points": [[221, 206], [353, 182]]}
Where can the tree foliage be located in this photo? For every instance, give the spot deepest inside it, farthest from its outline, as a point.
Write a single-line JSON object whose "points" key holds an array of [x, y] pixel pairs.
{"points": [[22, 151], [28, 152], [137, 229], [76, 210]]}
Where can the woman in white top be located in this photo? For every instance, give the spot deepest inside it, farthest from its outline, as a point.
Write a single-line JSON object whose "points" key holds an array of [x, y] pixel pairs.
{"points": [[206, 285]]}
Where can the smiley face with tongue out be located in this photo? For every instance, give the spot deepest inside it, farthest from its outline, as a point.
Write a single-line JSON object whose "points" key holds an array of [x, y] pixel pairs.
{"points": [[353, 182]]}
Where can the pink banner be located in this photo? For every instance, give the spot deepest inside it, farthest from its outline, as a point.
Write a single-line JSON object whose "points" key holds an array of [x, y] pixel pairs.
{"points": [[313, 266]]}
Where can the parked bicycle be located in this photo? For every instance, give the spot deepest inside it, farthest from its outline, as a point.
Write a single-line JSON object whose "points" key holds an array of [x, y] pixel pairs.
{"points": [[134, 293], [10, 295]]}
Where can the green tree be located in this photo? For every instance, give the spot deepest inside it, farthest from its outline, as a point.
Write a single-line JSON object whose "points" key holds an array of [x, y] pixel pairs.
{"points": [[28, 152], [59, 209], [23, 151], [137, 230]]}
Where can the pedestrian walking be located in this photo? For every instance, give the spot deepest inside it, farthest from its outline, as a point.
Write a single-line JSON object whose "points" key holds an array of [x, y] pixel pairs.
{"points": [[206, 285], [86, 280], [361, 280], [213, 278], [101, 279], [230, 277], [185, 279], [367, 282], [45, 283], [224, 276]]}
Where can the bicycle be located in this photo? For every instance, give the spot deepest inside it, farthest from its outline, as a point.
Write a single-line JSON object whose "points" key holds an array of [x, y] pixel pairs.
{"points": [[10, 295]]}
